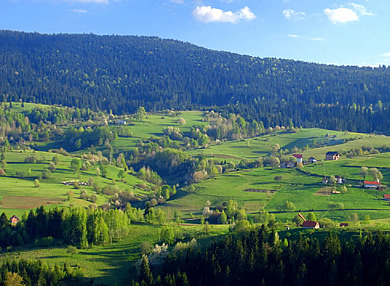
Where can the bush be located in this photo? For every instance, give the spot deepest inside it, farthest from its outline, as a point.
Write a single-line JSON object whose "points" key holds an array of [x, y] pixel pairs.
{"points": [[31, 159], [93, 198]]}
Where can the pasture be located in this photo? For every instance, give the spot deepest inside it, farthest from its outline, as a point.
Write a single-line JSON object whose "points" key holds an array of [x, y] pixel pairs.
{"points": [[18, 192]]}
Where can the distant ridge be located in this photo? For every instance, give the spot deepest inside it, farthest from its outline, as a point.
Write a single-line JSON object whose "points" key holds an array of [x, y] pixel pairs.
{"points": [[120, 73]]}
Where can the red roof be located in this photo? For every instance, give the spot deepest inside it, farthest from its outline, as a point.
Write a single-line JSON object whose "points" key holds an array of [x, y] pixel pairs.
{"points": [[298, 155], [371, 183], [309, 223], [386, 196]]}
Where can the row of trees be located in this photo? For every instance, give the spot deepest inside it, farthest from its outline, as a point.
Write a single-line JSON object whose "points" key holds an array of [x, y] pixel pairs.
{"points": [[74, 226]]}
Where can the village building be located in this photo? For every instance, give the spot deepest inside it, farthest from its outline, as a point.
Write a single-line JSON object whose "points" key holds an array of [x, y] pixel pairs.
{"points": [[325, 180], [339, 180], [299, 157], [343, 224], [312, 160], [372, 184], [121, 122], [14, 219], [386, 197], [288, 164], [309, 224], [332, 156]]}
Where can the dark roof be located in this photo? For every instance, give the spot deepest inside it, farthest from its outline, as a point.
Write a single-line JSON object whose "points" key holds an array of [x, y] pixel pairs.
{"points": [[371, 183], [14, 216], [332, 153], [309, 223]]}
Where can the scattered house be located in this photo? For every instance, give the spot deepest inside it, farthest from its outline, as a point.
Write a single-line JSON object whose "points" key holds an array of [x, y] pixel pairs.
{"points": [[309, 224], [121, 122], [325, 180], [14, 219], [372, 184], [332, 156], [288, 164], [335, 192], [343, 224], [299, 157], [71, 183], [339, 180], [312, 160], [386, 197]]}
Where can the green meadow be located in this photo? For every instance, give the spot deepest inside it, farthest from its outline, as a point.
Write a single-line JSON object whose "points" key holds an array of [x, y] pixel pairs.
{"points": [[18, 193]]}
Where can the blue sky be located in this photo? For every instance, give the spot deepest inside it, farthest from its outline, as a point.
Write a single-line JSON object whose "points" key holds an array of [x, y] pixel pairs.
{"points": [[335, 32]]}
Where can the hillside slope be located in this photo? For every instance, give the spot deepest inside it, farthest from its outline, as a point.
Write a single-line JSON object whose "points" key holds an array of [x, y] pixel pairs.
{"points": [[120, 73]]}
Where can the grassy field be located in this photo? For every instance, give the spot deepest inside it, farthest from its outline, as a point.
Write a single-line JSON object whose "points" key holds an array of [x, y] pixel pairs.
{"points": [[18, 193], [260, 146], [153, 126], [305, 190], [111, 264]]}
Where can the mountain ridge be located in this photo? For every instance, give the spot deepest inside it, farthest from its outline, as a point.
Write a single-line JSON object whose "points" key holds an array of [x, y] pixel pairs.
{"points": [[121, 73]]}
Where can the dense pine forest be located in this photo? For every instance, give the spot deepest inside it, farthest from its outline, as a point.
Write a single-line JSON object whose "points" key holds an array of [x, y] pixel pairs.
{"points": [[260, 257], [121, 73]]}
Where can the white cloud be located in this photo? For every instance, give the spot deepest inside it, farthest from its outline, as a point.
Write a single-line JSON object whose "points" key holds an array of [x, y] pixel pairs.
{"points": [[341, 15], [345, 15], [294, 15], [305, 38], [386, 55], [207, 14], [79, 11], [361, 10]]}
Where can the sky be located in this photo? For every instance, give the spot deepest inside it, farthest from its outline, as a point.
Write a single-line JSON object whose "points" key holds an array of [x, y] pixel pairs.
{"points": [[322, 31]]}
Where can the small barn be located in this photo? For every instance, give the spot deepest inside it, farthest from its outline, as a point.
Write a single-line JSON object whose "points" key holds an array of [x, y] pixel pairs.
{"points": [[339, 180], [332, 156], [14, 219], [312, 160]]}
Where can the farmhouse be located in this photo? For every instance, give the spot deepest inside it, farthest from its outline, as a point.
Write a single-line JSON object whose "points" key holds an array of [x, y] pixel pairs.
{"points": [[309, 224], [312, 160], [299, 157], [386, 197], [14, 219], [332, 156], [288, 164], [372, 184], [339, 180], [325, 181], [121, 122]]}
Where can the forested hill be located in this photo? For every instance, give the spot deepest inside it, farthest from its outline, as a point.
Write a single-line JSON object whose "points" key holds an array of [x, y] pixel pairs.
{"points": [[120, 73]]}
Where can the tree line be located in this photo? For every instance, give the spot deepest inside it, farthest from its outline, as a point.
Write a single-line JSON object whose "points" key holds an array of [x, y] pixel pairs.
{"points": [[72, 226]]}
